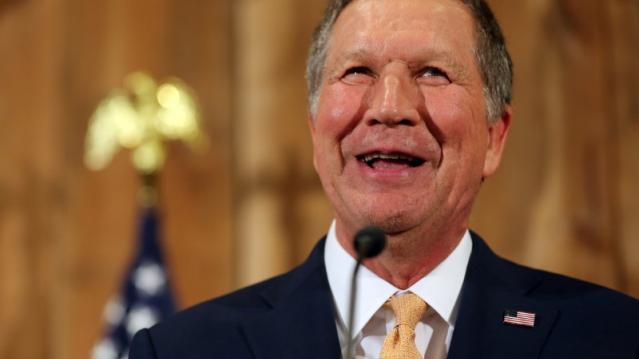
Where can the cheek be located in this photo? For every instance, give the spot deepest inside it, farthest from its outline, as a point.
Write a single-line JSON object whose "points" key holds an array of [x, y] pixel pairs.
{"points": [[338, 108], [457, 119]]}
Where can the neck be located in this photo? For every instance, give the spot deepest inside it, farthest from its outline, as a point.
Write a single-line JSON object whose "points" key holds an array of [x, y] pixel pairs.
{"points": [[410, 255]]}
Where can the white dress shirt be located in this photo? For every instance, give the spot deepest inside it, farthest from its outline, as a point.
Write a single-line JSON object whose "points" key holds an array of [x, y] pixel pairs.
{"points": [[439, 289]]}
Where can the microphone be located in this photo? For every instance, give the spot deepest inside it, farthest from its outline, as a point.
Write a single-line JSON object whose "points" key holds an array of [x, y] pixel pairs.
{"points": [[368, 242]]}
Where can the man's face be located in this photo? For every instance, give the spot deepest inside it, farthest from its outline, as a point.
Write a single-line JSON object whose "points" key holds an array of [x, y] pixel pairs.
{"points": [[400, 134]]}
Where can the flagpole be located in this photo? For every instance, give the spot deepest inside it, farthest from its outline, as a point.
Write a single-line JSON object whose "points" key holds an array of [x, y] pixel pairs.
{"points": [[148, 192]]}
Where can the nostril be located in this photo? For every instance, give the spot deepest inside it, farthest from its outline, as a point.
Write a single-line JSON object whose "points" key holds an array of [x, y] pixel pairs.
{"points": [[374, 121]]}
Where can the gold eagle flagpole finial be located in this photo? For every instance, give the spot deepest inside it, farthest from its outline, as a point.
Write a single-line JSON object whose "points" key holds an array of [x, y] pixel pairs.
{"points": [[142, 116]]}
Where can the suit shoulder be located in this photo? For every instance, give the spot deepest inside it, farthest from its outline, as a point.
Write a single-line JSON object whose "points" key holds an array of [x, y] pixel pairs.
{"points": [[230, 308], [575, 294], [225, 309], [211, 324], [566, 288], [542, 285]]}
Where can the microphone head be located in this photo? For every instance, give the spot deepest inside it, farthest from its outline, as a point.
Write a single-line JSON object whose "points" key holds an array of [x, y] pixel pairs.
{"points": [[369, 242]]}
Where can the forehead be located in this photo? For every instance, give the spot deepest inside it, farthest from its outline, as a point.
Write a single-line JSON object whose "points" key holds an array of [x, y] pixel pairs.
{"points": [[404, 27]]}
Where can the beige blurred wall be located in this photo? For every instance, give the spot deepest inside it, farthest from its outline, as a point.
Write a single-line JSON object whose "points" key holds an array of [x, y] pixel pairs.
{"points": [[249, 206]]}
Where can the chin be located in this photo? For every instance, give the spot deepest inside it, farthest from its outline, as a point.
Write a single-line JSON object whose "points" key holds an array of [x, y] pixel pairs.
{"points": [[392, 214], [392, 222]]}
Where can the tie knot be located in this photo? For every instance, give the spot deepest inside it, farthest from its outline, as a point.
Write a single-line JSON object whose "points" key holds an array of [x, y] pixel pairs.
{"points": [[408, 309]]}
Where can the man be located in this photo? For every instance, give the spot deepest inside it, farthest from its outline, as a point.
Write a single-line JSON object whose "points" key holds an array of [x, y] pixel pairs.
{"points": [[410, 110]]}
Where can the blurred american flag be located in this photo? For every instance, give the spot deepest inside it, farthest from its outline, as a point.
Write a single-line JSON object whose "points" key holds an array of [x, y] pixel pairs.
{"points": [[144, 299]]}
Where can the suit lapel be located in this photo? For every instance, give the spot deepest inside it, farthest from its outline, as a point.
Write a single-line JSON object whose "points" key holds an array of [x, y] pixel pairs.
{"points": [[301, 323], [491, 287]]}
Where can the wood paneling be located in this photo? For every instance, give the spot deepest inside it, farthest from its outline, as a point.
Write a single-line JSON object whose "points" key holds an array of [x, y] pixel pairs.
{"points": [[250, 205], [274, 170], [66, 233], [564, 184]]}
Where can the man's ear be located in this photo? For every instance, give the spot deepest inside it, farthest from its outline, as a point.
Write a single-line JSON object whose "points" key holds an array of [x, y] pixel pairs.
{"points": [[311, 123], [497, 134], [311, 126]]}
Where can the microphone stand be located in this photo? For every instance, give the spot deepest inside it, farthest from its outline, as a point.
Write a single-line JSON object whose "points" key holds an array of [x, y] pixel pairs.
{"points": [[351, 310], [369, 242]]}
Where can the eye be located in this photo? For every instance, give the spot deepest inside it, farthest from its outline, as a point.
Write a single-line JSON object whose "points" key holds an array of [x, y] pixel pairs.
{"points": [[358, 70], [358, 75], [434, 76]]}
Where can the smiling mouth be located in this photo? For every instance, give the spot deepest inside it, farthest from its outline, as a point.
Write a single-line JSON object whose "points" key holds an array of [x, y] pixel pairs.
{"points": [[380, 160]]}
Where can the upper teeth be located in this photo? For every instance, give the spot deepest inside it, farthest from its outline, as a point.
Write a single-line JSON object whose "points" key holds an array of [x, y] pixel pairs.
{"points": [[385, 156]]}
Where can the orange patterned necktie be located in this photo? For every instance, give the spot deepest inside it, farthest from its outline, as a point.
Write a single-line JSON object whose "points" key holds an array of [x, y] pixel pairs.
{"points": [[400, 341]]}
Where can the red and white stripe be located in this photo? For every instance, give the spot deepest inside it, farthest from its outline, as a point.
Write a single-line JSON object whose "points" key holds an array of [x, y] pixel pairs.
{"points": [[522, 318]]}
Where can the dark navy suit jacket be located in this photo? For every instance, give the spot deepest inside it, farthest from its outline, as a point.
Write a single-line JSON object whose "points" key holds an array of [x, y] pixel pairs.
{"points": [[291, 316]]}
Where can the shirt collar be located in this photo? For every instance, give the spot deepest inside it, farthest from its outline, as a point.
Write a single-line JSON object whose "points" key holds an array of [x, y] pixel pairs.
{"points": [[440, 288]]}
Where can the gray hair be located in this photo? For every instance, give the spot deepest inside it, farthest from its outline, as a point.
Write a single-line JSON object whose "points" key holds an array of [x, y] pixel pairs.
{"points": [[493, 59]]}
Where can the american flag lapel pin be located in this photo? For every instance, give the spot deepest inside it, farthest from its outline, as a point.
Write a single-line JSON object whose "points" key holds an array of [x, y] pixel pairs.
{"points": [[520, 318]]}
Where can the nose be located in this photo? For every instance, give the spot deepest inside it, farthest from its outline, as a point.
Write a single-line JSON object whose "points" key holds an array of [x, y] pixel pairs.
{"points": [[393, 101]]}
